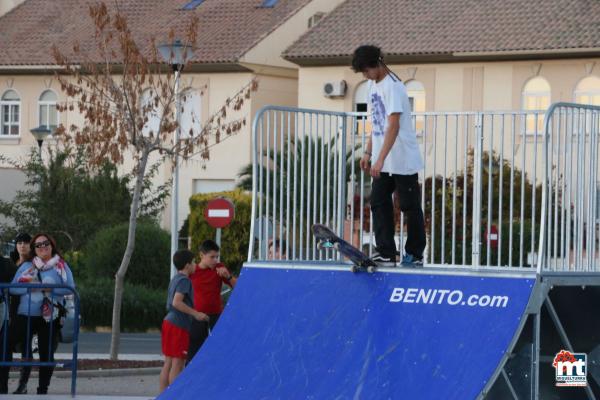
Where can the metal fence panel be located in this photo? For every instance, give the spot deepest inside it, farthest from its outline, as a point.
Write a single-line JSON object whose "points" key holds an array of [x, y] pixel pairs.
{"points": [[571, 222], [7, 341], [482, 185]]}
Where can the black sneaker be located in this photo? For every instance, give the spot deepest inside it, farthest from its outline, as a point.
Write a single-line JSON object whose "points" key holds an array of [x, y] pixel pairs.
{"points": [[380, 258]]}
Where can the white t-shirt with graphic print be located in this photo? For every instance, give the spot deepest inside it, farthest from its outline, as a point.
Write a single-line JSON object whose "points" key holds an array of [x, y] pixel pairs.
{"points": [[386, 97]]}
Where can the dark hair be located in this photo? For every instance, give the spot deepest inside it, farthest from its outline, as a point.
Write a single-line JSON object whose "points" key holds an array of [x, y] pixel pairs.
{"points": [[208, 245], [20, 238], [366, 56], [278, 244], [181, 258], [52, 243], [23, 237]]}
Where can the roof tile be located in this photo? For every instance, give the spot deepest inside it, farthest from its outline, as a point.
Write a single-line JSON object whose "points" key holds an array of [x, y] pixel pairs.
{"points": [[443, 27], [227, 29]]}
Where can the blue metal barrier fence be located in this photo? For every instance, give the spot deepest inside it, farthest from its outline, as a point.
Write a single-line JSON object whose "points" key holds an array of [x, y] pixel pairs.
{"points": [[7, 342]]}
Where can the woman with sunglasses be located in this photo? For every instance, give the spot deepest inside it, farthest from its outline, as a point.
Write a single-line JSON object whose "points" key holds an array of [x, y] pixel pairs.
{"points": [[37, 308]]}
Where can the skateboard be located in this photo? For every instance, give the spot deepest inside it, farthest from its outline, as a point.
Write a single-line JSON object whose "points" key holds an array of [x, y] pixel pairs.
{"points": [[327, 239]]}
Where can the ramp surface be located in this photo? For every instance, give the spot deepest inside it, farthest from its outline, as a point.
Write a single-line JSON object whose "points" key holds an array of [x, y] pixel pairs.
{"points": [[330, 334]]}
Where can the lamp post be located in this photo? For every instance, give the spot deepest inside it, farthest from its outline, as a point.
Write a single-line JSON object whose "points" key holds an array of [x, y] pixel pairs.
{"points": [[40, 134], [176, 54]]}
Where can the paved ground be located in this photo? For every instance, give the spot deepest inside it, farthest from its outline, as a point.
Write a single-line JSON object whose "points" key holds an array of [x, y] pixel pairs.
{"points": [[104, 385], [144, 386]]}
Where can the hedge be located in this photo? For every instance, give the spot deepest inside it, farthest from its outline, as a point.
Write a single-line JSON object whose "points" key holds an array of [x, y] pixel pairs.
{"points": [[149, 263], [234, 238], [142, 308]]}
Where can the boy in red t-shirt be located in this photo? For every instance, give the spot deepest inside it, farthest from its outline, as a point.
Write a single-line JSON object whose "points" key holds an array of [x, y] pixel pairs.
{"points": [[207, 280]]}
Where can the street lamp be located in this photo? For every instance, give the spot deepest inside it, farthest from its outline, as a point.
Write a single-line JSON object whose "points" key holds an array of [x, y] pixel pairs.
{"points": [[176, 54], [40, 134]]}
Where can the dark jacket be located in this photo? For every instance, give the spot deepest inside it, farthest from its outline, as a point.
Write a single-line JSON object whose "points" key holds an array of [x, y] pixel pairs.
{"points": [[7, 270], [7, 273]]}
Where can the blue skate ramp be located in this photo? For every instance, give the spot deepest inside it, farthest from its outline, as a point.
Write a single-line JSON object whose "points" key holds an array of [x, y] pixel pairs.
{"points": [[330, 334]]}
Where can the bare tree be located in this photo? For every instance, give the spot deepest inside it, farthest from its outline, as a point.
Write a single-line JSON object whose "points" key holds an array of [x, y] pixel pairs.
{"points": [[105, 86]]}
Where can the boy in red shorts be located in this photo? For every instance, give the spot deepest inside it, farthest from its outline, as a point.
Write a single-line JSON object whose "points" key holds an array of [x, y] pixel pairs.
{"points": [[207, 280], [175, 330]]}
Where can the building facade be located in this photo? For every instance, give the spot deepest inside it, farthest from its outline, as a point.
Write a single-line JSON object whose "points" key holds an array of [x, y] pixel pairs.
{"points": [[237, 41]]}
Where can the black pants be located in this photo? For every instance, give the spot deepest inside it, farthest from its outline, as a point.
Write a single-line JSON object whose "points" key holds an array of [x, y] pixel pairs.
{"points": [[199, 333], [5, 355], [382, 207], [17, 343], [46, 344]]}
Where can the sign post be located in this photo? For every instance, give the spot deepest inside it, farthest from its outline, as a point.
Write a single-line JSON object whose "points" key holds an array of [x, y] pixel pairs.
{"points": [[219, 213]]}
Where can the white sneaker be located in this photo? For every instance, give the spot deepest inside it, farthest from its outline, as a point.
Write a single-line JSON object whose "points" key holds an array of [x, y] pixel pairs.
{"points": [[381, 258]]}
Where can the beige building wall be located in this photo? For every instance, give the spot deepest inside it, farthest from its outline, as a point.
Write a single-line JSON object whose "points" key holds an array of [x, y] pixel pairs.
{"points": [[459, 87], [476, 86], [267, 52], [29, 88], [196, 175], [310, 88], [226, 158], [234, 152], [497, 88]]}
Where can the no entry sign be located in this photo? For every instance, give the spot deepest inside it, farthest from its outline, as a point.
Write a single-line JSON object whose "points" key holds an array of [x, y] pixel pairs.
{"points": [[492, 236], [219, 212]]}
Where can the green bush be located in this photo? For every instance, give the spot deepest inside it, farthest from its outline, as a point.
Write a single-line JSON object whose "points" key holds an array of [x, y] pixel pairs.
{"points": [[143, 308], [149, 263], [234, 238], [464, 183], [74, 259]]}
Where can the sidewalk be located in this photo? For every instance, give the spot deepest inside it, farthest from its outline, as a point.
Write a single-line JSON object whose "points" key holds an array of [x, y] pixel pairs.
{"points": [[116, 387], [126, 384]]}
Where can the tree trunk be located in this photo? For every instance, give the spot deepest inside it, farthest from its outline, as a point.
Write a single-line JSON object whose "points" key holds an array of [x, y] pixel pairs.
{"points": [[120, 275]]}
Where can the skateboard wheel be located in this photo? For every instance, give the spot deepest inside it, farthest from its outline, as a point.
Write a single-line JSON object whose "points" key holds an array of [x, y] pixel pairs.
{"points": [[324, 245], [354, 268], [370, 269]]}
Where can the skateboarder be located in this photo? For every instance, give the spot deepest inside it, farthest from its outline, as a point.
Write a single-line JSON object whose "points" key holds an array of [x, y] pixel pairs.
{"points": [[394, 158]]}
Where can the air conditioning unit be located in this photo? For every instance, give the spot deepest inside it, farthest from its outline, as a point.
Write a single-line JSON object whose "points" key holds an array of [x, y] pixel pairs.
{"points": [[335, 89]]}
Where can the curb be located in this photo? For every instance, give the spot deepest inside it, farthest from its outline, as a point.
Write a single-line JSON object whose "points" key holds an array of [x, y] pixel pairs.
{"points": [[95, 373]]}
